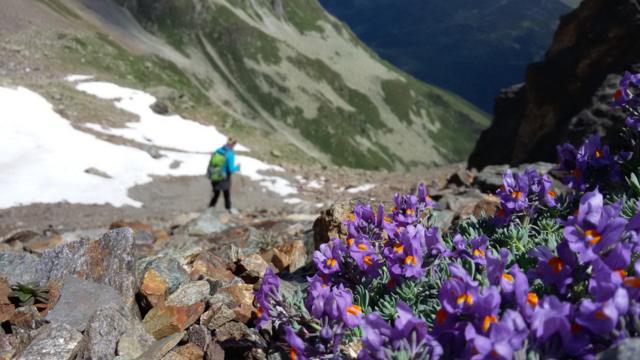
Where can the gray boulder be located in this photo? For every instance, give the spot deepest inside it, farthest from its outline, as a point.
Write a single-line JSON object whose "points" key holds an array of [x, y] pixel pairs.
{"points": [[627, 349], [18, 267], [53, 342]]}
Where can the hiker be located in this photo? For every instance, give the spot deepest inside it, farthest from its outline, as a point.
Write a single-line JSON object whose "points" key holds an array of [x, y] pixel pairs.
{"points": [[221, 166]]}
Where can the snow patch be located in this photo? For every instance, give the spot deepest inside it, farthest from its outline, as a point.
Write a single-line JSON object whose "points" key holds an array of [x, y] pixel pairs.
{"points": [[361, 188], [292, 201], [76, 78], [315, 184]]}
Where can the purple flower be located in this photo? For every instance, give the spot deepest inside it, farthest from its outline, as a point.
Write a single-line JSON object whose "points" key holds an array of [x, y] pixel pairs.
{"points": [[476, 252], [268, 292], [595, 229], [601, 318], [329, 258], [514, 191], [551, 318], [552, 269], [296, 344], [459, 292], [376, 334], [365, 256], [500, 340], [513, 283], [609, 272], [317, 294], [404, 256], [623, 96], [339, 305]]}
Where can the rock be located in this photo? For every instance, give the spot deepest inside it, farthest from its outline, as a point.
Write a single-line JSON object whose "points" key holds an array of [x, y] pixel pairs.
{"points": [[162, 276], [175, 164], [460, 179], [97, 172], [329, 224], [79, 301], [276, 153], [279, 259], [26, 317], [296, 253], [153, 287], [160, 107], [566, 96], [190, 293], [53, 342], [235, 334], [214, 352], [243, 313], [103, 331], [217, 316], [252, 268], [152, 151], [109, 261], [200, 335], [6, 307], [169, 319], [207, 223], [443, 219], [204, 269], [8, 346], [142, 233], [20, 235], [627, 349], [159, 348], [18, 267], [134, 341], [487, 206], [490, 178], [241, 293], [185, 352]]}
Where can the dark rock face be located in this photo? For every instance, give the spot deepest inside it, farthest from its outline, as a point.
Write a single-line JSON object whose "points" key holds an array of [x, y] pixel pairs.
{"points": [[566, 96]]}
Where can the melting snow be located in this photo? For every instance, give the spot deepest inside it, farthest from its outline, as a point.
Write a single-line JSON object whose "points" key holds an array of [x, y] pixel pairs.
{"points": [[43, 158], [361, 188], [315, 184], [293, 201]]}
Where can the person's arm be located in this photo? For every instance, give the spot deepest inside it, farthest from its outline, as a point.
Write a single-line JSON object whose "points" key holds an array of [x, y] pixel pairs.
{"points": [[232, 167]]}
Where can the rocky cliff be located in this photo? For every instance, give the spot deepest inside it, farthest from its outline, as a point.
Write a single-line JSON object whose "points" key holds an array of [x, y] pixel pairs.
{"points": [[566, 96]]}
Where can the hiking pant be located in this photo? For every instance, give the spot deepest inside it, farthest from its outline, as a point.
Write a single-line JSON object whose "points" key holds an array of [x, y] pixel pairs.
{"points": [[223, 186]]}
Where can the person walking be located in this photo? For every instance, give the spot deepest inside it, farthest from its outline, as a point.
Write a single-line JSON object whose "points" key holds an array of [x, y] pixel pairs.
{"points": [[221, 166]]}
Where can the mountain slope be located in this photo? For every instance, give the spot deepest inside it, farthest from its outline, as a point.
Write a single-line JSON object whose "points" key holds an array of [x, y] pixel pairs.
{"points": [[471, 47], [285, 70]]}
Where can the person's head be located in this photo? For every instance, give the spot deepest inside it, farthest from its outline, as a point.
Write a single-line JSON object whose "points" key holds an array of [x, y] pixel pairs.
{"points": [[231, 142]]}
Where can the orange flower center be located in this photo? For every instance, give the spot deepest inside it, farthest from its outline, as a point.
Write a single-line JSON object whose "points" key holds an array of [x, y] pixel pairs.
{"points": [[478, 252], [507, 277], [598, 153], [622, 273], [552, 193], [362, 247], [367, 260], [532, 299], [354, 310], [259, 311], [593, 237], [556, 264], [488, 320], [516, 195], [349, 241], [331, 262], [441, 316], [500, 212], [410, 259], [466, 297], [576, 173], [399, 248], [352, 217], [410, 212], [394, 209], [292, 354], [387, 219]]}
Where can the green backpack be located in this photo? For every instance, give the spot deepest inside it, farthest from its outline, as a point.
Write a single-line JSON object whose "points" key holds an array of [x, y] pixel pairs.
{"points": [[216, 171]]}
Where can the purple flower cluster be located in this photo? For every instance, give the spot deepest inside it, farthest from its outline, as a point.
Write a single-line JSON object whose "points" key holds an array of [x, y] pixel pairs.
{"points": [[626, 97], [589, 165], [408, 335], [523, 193]]}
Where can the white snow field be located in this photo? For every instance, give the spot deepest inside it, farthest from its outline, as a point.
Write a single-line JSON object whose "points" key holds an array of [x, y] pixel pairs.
{"points": [[361, 188], [43, 158]]}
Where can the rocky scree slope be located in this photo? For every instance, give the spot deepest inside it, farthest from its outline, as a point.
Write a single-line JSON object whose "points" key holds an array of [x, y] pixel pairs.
{"points": [[291, 69], [566, 96]]}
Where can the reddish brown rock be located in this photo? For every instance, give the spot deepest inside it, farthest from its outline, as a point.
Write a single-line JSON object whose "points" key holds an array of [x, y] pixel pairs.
{"points": [[253, 267], [487, 206], [154, 287], [185, 352], [296, 253], [243, 313], [7, 309], [202, 268], [166, 320], [241, 293], [279, 259]]}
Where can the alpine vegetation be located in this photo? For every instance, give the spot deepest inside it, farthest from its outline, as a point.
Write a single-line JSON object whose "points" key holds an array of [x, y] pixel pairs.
{"points": [[550, 275]]}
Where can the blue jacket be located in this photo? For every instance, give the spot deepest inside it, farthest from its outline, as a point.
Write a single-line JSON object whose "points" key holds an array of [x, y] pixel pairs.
{"points": [[230, 163]]}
